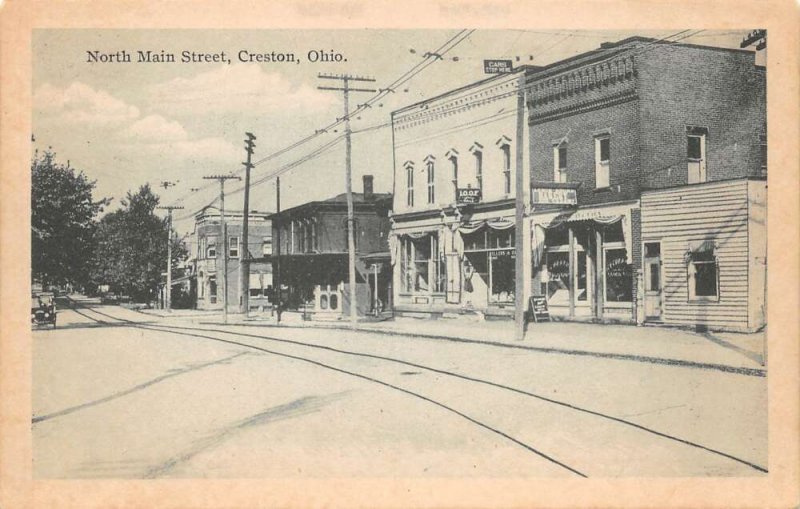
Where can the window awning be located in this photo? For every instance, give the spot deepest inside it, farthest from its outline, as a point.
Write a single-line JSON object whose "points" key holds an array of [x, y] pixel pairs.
{"points": [[499, 223], [601, 215], [701, 246]]}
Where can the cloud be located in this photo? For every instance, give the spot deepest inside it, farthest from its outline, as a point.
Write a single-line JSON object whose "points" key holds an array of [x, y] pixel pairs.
{"points": [[155, 128], [206, 150], [236, 88], [79, 103]]}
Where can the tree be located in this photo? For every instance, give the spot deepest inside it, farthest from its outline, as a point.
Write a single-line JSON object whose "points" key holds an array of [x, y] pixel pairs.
{"points": [[62, 221], [132, 247]]}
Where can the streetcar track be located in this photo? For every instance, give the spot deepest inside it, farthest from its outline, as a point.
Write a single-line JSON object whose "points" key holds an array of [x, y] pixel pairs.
{"points": [[373, 380], [166, 328]]}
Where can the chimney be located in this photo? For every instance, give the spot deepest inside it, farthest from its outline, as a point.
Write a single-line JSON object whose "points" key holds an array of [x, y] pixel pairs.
{"points": [[368, 194]]}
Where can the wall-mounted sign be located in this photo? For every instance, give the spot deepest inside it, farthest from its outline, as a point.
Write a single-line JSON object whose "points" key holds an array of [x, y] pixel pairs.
{"points": [[554, 196], [537, 308], [497, 66], [468, 195]]}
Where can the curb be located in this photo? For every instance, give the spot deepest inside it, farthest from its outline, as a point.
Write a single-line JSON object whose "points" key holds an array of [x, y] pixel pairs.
{"points": [[740, 370]]}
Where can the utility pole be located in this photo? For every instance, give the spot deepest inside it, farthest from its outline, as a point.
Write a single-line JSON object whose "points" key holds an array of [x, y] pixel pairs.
{"points": [[351, 249], [168, 290], [277, 269], [244, 252], [224, 230], [522, 230]]}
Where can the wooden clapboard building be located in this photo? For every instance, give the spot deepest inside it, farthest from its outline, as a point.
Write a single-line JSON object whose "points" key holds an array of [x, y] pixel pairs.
{"points": [[653, 136]]}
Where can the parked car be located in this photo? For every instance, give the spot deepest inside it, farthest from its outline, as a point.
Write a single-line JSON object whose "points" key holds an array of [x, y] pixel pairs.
{"points": [[43, 309]]}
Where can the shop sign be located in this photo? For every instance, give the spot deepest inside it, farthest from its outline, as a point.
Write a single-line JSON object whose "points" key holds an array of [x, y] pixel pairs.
{"points": [[468, 196], [503, 253], [554, 196], [537, 308], [497, 66]]}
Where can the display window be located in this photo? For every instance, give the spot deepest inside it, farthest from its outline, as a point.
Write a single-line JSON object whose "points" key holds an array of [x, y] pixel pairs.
{"points": [[421, 269]]}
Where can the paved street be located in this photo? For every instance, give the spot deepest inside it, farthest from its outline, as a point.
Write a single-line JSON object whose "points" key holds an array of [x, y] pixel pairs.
{"points": [[120, 394]]}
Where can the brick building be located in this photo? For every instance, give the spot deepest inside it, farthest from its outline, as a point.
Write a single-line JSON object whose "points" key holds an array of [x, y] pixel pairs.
{"points": [[314, 259], [629, 118], [209, 252]]}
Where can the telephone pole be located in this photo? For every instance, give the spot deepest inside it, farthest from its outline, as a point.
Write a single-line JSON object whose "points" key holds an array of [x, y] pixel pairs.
{"points": [[168, 290], [244, 260], [224, 230], [522, 232], [351, 251], [276, 284]]}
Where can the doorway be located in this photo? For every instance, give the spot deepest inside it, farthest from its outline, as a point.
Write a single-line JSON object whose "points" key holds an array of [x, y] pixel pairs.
{"points": [[653, 283]]}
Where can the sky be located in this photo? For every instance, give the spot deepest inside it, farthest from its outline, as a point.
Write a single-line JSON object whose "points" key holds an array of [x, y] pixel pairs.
{"points": [[126, 124]]}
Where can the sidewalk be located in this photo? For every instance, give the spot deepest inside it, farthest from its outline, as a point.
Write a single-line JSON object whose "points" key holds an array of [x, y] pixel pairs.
{"points": [[733, 352]]}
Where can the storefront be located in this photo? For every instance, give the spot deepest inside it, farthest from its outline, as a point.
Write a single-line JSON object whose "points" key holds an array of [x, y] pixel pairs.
{"points": [[455, 264], [583, 262]]}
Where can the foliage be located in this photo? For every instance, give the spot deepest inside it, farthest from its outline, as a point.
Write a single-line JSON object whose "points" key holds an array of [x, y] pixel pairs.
{"points": [[132, 249], [62, 222]]}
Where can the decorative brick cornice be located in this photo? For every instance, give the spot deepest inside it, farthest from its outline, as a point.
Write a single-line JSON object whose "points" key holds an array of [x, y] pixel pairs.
{"points": [[574, 108]]}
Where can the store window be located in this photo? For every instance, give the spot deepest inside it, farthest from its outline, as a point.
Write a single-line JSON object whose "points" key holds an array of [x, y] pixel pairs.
{"points": [[602, 161], [618, 276], [703, 271], [422, 270]]}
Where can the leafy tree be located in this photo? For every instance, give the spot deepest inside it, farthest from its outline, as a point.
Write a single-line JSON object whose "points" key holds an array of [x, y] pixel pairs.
{"points": [[62, 221], [132, 247]]}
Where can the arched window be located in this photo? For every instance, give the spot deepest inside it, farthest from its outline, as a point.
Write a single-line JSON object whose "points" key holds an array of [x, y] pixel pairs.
{"points": [[409, 166], [430, 170]]}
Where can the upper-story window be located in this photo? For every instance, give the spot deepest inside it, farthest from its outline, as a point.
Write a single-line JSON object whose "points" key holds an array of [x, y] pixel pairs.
{"points": [[505, 149], [560, 162], [602, 160], [266, 246], [452, 156], [211, 250], [355, 232], [233, 247], [762, 144], [201, 247], [409, 184], [430, 171], [696, 154], [477, 153]]}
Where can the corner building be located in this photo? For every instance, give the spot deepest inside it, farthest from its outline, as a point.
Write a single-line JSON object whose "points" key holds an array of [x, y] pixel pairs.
{"points": [[631, 119], [453, 226]]}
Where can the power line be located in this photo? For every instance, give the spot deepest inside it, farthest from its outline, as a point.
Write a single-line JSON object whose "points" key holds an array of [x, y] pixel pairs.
{"points": [[416, 69]]}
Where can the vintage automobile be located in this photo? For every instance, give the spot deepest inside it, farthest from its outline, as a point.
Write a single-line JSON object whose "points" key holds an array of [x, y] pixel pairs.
{"points": [[43, 309]]}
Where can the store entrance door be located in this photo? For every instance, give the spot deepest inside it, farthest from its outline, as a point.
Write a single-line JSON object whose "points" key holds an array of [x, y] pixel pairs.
{"points": [[652, 281]]}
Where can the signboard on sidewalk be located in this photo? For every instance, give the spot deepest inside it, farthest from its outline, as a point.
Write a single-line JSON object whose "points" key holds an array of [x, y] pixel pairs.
{"points": [[537, 308], [467, 196], [497, 66]]}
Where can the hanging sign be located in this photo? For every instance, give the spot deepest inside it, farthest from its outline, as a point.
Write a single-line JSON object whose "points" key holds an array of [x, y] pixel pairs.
{"points": [[554, 196], [466, 196], [497, 66], [537, 308]]}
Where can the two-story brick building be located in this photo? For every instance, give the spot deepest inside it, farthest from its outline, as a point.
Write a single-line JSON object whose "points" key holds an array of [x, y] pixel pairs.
{"points": [[313, 261], [209, 253], [635, 117]]}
